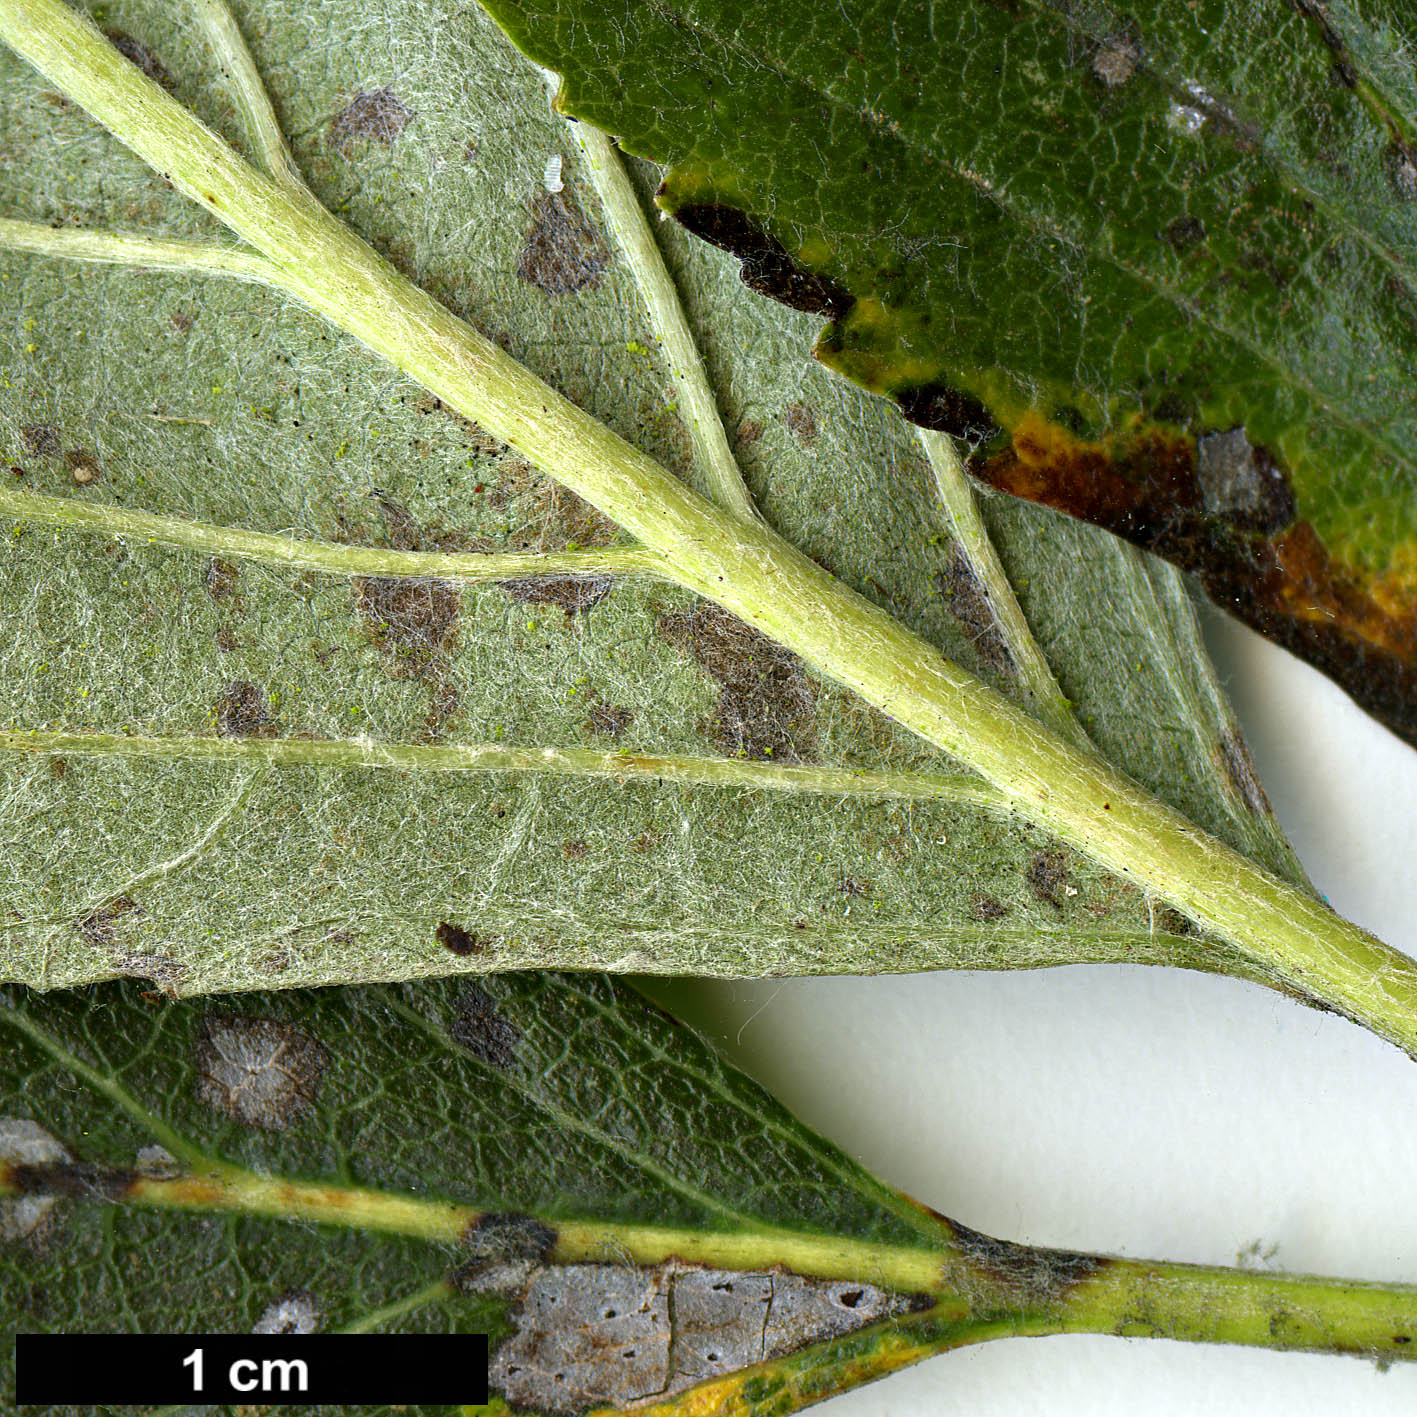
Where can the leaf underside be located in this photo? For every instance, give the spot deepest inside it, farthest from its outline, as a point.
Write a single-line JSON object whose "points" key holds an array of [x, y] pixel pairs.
{"points": [[225, 405], [1158, 262]]}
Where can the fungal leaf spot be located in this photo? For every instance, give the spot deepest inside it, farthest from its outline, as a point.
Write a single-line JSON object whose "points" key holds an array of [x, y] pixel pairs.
{"points": [[595, 1335], [259, 1072], [482, 1030], [766, 705], [294, 1312], [968, 602], [1049, 878], [562, 252], [573, 594], [463, 943], [242, 712], [374, 115]]}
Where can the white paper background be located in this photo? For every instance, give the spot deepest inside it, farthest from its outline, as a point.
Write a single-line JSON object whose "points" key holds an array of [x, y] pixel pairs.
{"points": [[1143, 1112]]}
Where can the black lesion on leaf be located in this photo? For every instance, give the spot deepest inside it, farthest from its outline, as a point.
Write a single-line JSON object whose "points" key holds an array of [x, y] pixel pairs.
{"points": [[947, 410], [1183, 232], [767, 267], [482, 1030], [376, 115], [574, 594], [766, 706], [562, 252], [68, 1180]]}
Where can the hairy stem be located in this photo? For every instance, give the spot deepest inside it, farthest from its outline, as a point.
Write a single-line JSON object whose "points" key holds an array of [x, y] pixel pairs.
{"points": [[1199, 1304], [495, 757], [741, 564], [250, 90], [712, 456]]}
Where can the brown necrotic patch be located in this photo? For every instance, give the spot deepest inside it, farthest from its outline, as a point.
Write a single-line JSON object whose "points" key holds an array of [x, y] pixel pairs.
{"points": [[258, 1071], [41, 440], [466, 944], [1049, 877], [967, 600], [103, 924], [617, 1336], [561, 252], [222, 580], [574, 594], [481, 1029], [766, 705], [242, 712], [801, 422], [372, 115], [767, 268], [608, 720], [136, 52], [1026, 1275], [413, 619], [1227, 526]]}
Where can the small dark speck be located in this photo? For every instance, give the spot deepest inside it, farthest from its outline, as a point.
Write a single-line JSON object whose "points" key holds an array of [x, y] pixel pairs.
{"points": [[463, 943]]}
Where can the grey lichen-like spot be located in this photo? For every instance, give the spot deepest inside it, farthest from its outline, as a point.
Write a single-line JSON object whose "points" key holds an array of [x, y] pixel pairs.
{"points": [[1114, 64], [1242, 483], [157, 1161], [24, 1142], [259, 1072], [617, 1336], [294, 1312]]}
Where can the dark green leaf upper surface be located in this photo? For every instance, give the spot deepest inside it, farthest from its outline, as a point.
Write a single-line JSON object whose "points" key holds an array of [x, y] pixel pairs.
{"points": [[1170, 250]]}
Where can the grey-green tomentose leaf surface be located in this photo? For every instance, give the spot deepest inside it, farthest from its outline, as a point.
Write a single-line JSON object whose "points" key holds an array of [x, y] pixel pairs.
{"points": [[546, 1158], [236, 853]]}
